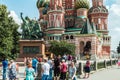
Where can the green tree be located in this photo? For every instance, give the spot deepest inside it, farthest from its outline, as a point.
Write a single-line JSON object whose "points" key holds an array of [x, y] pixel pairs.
{"points": [[118, 49], [61, 48], [8, 34], [16, 37]]}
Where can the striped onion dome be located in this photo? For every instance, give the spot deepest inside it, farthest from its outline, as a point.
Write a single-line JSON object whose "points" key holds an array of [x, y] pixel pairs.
{"points": [[42, 3], [82, 4]]}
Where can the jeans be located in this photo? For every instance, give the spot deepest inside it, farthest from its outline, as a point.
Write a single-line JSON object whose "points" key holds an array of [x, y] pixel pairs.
{"points": [[4, 73], [35, 68], [50, 75], [74, 78], [45, 77]]}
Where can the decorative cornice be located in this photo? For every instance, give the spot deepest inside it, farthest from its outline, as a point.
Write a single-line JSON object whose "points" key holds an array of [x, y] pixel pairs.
{"points": [[57, 28], [54, 34], [86, 35], [51, 11]]}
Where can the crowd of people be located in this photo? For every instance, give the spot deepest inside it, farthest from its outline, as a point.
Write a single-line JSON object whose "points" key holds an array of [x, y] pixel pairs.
{"points": [[56, 68], [10, 68]]}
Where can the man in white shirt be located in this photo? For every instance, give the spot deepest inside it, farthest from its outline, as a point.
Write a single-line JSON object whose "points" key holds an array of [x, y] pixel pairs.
{"points": [[45, 70], [51, 67]]}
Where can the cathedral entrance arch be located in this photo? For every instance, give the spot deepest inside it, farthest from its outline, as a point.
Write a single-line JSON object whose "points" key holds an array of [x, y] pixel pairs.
{"points": [[87, 49]]}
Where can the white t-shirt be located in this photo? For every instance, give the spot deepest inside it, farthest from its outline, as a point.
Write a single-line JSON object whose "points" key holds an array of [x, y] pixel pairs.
{"points": [[46, 68], [50, 63]]}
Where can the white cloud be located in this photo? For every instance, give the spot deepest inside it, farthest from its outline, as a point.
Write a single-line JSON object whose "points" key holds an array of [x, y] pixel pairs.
{"points": [[114, 23], [117, 29], [118, 1], [15, 17], [108, 7], [115, 8]]}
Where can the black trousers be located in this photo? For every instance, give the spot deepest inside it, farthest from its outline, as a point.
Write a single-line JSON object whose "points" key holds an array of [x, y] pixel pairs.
{"points": [[62, 75]]}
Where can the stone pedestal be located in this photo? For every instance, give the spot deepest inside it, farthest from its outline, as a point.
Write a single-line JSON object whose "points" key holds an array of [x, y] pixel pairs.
{"points": [[31, 48]]}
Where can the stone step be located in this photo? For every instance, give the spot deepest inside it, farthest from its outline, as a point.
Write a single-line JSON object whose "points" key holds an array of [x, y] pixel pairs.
{"points": [[29, 55]]}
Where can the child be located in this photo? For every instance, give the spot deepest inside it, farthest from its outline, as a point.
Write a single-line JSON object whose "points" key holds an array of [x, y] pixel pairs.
{"points": [[87, 69]]}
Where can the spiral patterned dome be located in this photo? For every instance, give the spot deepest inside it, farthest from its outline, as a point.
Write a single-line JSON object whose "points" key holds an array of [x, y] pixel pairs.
{"points": [[42, 3], [82, 4]]}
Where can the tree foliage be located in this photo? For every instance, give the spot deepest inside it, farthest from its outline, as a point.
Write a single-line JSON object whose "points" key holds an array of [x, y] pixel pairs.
{"points": [[118, 49], [61, 48], [8, 34]]}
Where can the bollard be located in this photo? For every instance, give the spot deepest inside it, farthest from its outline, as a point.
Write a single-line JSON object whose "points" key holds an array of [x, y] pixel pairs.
{"points": [[95, 65], [80, 68], [111, 63], [105, 65]]}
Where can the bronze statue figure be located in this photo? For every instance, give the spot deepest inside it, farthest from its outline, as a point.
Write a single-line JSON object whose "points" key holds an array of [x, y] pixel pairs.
{"points": [[30, 28]]}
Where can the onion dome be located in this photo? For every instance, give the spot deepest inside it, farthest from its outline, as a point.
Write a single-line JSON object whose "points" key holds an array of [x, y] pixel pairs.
{"points": [[42, 3], [98, 9], [82, 4]]}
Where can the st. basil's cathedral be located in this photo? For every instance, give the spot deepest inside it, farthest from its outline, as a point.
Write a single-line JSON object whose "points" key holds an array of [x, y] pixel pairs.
{"points": [[76, 22]]}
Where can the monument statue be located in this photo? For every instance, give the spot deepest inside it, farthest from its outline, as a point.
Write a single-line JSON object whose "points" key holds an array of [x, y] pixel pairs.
{"points": [[30, 28], [25, 27]]}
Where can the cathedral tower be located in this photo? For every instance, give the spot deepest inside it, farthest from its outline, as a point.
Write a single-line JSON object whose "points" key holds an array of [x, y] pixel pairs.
{"points": [[99, 15], [96, 3], [55, 27], [69, 6], [82, 7]]}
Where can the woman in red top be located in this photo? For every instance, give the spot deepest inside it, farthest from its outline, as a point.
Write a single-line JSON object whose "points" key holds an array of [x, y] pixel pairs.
{"points": [[87, 69]]}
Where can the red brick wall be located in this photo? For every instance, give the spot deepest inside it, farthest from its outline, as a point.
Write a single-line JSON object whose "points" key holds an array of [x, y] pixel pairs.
{"points": [[106, 49]]}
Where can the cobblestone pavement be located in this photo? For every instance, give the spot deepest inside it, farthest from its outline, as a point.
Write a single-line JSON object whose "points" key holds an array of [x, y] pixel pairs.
{"points": [[105, 74]]}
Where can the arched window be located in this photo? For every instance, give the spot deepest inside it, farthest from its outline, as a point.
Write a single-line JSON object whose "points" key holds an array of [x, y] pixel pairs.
{"points": [[51, 24], [87, 47], [50, 38], [67, 37], [66, 23], [71, 37]]}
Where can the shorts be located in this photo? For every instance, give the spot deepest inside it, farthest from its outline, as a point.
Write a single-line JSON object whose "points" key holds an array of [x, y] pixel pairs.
{"points": [[56, 71], [87, 69], [63, 75]]}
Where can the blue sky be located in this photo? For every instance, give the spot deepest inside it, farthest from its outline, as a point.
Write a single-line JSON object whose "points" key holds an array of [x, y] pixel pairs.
{"points": [[28, 7]]}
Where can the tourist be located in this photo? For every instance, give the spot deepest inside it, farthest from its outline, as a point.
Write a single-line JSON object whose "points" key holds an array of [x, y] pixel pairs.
{"points": [[65, 57], [87, 69], [29, 72], [45, 70], [51, 67], [40, 59], [5, 66], [30, 60], [25, 60], [72, 71], [69, 57], [12, 70], [118, 62], [34, 64], [56, 68], [63, 70]]}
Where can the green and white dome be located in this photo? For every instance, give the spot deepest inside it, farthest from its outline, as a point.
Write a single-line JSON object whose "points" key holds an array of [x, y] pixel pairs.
{"points": [[42, 3], [82, 4]]}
